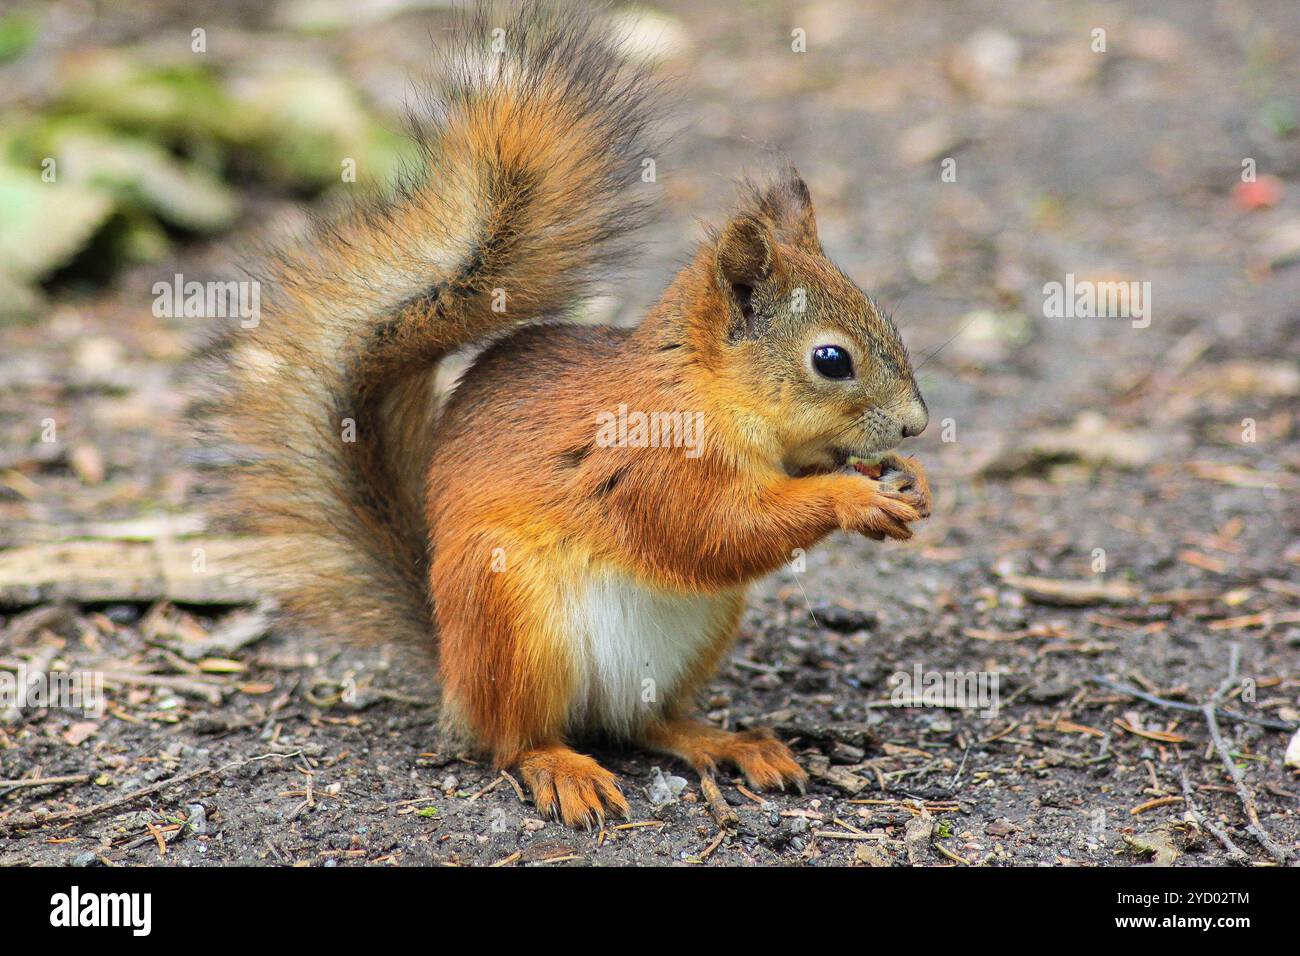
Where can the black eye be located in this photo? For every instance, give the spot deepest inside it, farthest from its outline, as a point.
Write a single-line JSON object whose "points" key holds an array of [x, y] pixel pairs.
{"points": [[831, 361]]}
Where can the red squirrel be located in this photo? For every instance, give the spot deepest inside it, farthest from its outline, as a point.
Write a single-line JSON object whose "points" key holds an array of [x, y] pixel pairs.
{"points": [[575, 574]]}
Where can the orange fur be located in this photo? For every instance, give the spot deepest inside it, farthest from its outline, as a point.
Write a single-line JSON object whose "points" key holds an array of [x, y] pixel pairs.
{"points": [[577, 585]]}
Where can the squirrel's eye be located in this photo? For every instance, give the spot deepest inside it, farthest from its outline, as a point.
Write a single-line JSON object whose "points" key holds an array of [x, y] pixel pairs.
{"points": [[831, 361]]}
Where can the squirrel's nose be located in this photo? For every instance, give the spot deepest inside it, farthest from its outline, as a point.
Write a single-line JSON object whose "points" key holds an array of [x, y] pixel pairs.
{"points": [[915, 419]]}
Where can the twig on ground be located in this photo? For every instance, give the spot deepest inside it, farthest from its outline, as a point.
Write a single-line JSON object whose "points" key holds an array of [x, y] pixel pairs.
{"points": [[722, 812], [45, 781], [1154, 805], [492, 785], [952, 856], [837, 835], [1222, 712], [717, 842], [1212, 711], [1255, 828], [1235, 853], [275, 851], [37, 818], [40, 818], [960, 767], [514, 785]]}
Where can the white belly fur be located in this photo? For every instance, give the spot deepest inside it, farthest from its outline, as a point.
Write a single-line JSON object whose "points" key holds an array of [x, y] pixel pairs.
{"points": [[632, 646]]}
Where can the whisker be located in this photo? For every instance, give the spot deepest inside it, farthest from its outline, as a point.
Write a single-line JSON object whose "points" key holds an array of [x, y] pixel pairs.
{"points": [[964, 327]]}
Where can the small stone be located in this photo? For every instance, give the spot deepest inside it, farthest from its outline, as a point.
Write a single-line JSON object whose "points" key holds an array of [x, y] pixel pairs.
{"points": [[872, 854], [80, 732], [122, 614], [836, 617], [664, 789], [941, 724], [1292, 757], [1050, 691]]}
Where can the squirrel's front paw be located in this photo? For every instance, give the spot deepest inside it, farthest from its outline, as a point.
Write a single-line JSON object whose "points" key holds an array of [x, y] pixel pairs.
{"points": [[884, 507], [904, 478]]}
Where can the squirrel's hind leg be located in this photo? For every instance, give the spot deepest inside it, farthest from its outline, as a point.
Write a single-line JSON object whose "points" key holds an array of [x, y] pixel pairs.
{"points": [[509, 677], [571, 786]]}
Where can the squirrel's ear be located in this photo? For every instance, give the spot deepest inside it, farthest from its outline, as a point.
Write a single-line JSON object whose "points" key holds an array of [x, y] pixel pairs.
{"points": [[746, 251], [788, 204], [746, 257]]}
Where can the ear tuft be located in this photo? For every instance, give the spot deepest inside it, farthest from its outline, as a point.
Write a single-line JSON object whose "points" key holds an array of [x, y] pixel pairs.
{"points": [[787, 203], [798, 188]]}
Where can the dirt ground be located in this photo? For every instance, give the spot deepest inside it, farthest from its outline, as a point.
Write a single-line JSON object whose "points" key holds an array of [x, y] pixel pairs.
{"points": [[1151, 463]]}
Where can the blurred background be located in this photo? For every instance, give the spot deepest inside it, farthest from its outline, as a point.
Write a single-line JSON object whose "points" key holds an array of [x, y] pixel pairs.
{"points": [[1104, 141], [961, 155]]}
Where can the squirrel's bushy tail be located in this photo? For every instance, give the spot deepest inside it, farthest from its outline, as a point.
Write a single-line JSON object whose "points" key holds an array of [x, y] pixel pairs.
{"points": [[530, 143]]}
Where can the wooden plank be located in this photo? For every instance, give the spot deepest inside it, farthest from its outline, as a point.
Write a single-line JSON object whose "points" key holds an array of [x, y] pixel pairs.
{"points": [[202, 570]]}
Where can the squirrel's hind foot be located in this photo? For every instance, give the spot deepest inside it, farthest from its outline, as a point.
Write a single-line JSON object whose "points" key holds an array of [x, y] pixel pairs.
{"points": [[765, 761]]}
